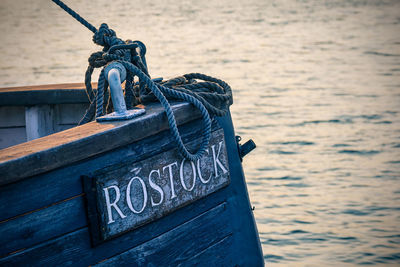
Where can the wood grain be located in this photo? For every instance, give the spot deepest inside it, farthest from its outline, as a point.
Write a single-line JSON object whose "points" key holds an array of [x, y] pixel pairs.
{"points": [[214, 255], [180, 244], [44, 94], [66, 147], [42, 225], [64, 182], [179, 187], [74, 248]]}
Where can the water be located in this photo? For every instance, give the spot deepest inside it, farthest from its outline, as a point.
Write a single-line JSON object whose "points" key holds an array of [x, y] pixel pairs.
{"points": [[316, 85]]}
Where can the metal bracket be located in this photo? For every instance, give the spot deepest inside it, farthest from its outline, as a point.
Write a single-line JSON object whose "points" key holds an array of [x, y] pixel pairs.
{"points": [[115, 74], [246, 148]]}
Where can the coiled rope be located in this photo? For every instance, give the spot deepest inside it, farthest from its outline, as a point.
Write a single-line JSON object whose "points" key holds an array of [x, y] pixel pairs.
{"points": [[210, 95]]}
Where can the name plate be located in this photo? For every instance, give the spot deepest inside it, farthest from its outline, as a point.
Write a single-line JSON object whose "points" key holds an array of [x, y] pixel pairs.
{"points": [[123, 198]]}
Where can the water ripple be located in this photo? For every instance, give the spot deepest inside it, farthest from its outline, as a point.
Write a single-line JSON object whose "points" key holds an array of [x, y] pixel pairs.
{"points": [[298, 185], [301, 143], [341, 145], [322, 121], [282, 178], [273, 258], [282, 152], [297, 231], [302, 222], [355, 212], [359, 152], [389, 258], [375, 53]]}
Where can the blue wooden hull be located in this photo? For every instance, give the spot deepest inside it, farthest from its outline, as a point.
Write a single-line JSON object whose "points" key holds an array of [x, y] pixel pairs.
{"points": [[44, 207]]}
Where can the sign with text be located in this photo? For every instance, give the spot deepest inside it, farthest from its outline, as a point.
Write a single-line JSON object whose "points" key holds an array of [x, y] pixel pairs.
{"points": [[123, 198]]}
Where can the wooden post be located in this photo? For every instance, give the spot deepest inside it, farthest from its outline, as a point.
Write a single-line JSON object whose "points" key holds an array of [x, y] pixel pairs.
{"points": [[39, 121]]}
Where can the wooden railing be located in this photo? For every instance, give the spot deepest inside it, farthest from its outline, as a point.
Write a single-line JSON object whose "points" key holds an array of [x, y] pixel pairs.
{"points": [[68, 146], [31, 112]]}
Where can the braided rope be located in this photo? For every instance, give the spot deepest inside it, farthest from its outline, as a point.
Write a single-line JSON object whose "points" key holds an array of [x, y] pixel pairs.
{"points": [[159, 90], [100, 94], [211, 96], [75, 15]]}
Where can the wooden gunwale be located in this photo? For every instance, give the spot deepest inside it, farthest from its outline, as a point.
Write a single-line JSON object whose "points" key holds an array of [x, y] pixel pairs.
{"points": [[69, 146]]}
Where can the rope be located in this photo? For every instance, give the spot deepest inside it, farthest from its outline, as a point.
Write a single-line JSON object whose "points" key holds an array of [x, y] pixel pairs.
{"points": [[75, 15], [159, 91], [209, 95]]}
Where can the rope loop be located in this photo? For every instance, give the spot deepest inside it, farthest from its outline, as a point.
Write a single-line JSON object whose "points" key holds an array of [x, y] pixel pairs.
{"points": [[96, 60], [159, 92]]}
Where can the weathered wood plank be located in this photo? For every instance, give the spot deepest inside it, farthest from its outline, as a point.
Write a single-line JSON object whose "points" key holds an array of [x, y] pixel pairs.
{"points": [[63, 127], [36, 227], [12, 136], [44, 94], [70, 113], [132, 194], [219, 254], [58, 86], [74, 248], [12, 116], [179, 244], [239, 199], [40, 121], [65, 182], [63, 148]]}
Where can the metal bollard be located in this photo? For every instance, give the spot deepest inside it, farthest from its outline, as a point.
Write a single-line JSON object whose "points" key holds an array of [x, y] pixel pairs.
{"points": [[115, 74]]}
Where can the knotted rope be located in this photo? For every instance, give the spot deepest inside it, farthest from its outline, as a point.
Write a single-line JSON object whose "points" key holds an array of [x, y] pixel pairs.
{"points": [[210, 95]]}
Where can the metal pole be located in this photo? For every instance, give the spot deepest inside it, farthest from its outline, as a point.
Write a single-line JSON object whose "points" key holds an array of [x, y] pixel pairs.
{"points": [[115, 74]]}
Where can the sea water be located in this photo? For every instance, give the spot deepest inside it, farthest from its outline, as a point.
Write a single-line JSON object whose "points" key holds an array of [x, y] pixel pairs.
{"points": [[316, 84]]}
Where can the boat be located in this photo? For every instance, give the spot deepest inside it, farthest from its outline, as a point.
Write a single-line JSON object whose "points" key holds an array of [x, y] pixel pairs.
{"points": [[120, 190], [46, 216]]}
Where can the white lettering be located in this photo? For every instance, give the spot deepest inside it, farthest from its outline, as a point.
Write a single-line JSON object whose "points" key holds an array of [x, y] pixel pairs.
{"points": [[128, 195], [173, 195], [182, 176], [199, 171], [157, 188], [156, 183], [114, 204], [216, 160]]}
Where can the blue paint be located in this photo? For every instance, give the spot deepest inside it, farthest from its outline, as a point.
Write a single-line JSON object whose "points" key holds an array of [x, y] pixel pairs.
{"points": [[39, 227]]}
